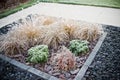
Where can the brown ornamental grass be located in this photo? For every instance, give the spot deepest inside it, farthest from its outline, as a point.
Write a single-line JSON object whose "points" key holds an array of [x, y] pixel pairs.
{"points": [[20, 38], [88, 31], [51, 31], [54, 36]]}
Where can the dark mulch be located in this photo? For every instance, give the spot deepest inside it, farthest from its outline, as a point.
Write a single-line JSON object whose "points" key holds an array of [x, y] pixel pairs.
{"points": [[106, 65], [10, 72]]}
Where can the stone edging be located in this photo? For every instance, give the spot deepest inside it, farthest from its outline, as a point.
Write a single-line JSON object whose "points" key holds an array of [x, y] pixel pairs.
{"points": [[91, 57], [28, 68], [46, 76]]}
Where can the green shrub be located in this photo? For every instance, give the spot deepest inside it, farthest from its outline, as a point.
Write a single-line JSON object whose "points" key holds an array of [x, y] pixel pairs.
{"points": [[38, 54], [78, 47]]}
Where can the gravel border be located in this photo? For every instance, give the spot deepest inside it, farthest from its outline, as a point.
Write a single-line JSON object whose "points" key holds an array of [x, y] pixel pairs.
{"points": [[49, 77], [11, 72]]}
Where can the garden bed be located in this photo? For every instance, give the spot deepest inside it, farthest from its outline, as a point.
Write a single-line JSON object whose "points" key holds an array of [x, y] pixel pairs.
{"points": [[81, 62]]}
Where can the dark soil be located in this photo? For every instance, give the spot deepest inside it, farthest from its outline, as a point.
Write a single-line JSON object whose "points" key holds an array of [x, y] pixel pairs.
{"points": [[106, 65], [10, 72]]}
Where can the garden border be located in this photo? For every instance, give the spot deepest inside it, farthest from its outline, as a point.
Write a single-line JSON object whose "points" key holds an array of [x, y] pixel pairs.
{"points": [[47, 76], [90, 58]]}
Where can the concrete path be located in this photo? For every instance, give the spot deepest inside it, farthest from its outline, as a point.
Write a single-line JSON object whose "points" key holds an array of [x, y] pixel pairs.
{"points": [[109, 16]]}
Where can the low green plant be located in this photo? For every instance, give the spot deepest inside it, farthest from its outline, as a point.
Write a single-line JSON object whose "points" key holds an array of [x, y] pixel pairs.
{"points": [[78, 47], [38, 54]]}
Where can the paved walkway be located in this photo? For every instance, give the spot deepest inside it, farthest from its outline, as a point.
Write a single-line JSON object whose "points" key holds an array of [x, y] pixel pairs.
{"points": [[102, 15]]}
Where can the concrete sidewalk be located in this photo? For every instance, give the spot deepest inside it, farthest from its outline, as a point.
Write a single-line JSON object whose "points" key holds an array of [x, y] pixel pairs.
{"points": [[109, 16]]}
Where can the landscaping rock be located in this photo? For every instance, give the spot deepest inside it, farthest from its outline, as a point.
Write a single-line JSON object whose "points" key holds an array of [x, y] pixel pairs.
{"points": [[56, 74], [67, 75], [74, 71], [10, 72], [62, 76]]}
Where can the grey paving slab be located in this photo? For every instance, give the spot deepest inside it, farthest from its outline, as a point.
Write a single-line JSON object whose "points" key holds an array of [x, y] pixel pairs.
{"points": [[109, 16]]}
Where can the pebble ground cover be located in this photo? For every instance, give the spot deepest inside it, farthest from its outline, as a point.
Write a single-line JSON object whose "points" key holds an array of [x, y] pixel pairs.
{"points": [[10, 72]]}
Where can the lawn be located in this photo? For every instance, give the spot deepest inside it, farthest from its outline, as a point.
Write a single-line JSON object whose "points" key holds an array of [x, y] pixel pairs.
{"points": [[102, 3]]}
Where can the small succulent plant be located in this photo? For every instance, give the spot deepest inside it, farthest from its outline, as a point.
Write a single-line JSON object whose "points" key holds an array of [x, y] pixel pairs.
{"points": [[78, 47], [38, 54]]}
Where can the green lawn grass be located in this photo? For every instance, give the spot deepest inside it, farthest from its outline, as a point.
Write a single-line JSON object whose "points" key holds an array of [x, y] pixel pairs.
{"points": [[102, 3]]}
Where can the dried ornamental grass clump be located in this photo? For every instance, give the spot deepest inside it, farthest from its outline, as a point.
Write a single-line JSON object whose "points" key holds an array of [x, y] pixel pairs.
{"points": [[54, 36], [38, 54], [88, 32], [11, 45], [81, 30], [32, 33], [70, 26], [45, 20], [78, 47], [20, 38], [57, 32], [65, 60]]}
